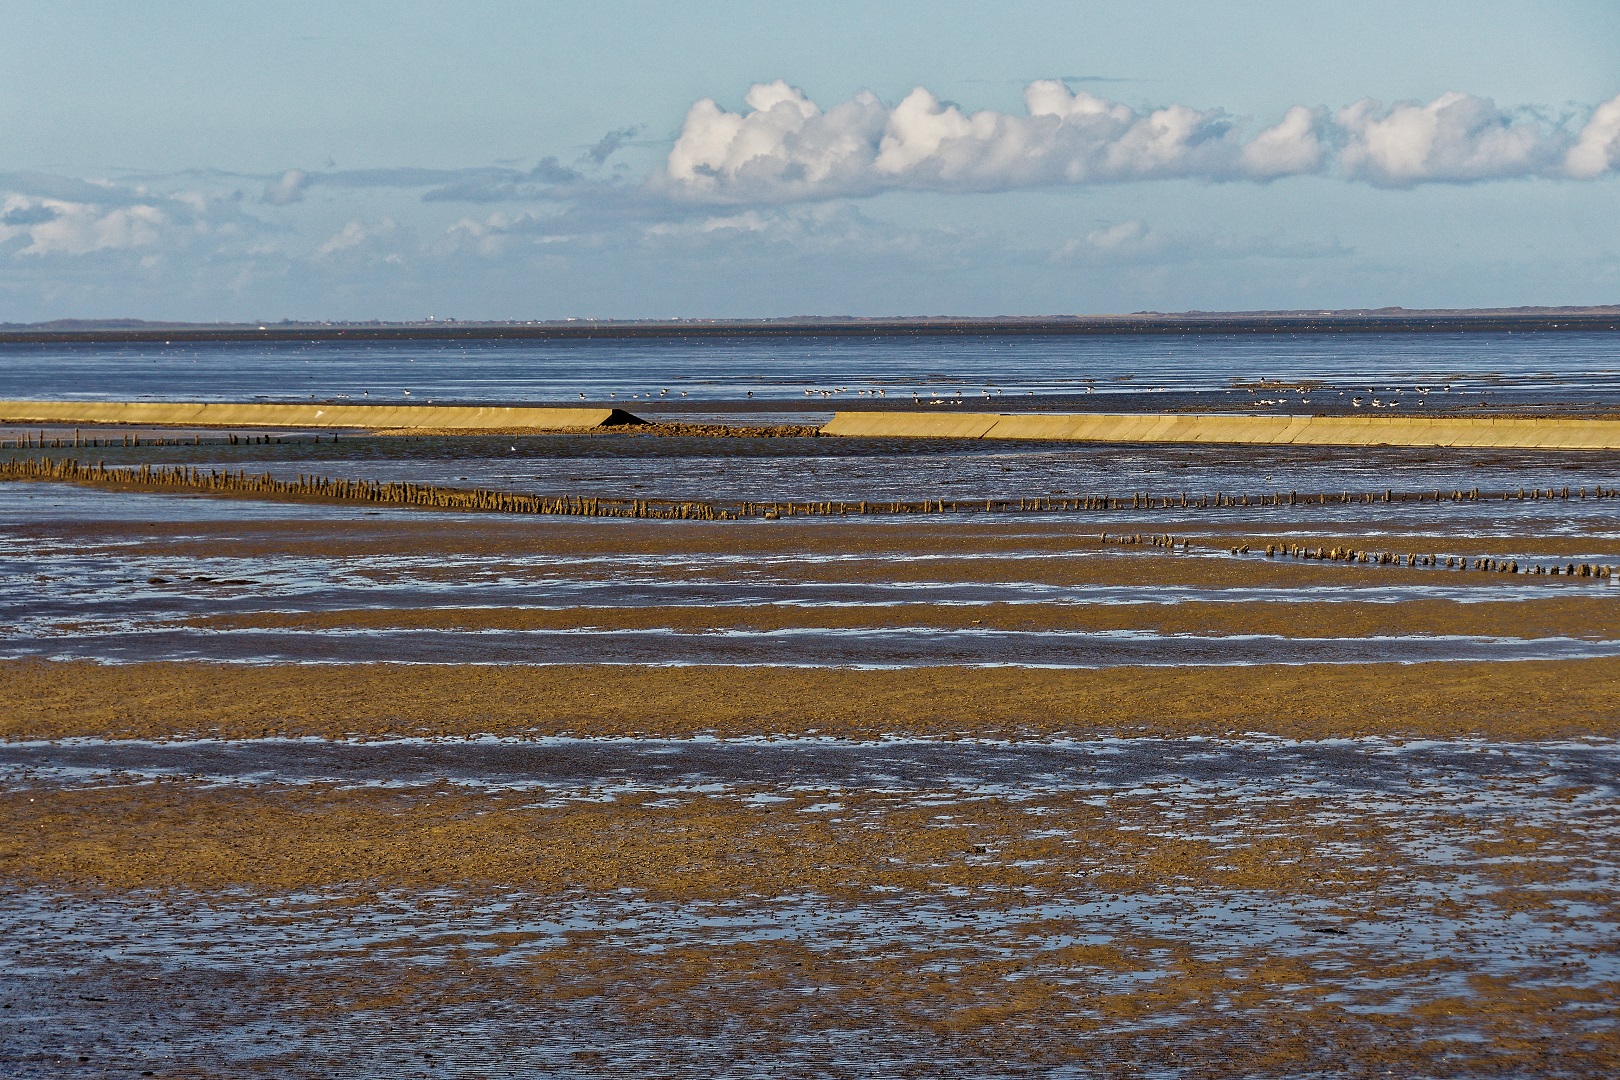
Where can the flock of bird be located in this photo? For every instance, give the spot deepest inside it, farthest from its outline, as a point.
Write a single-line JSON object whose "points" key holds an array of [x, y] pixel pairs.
{"points": [[1358, 401]]}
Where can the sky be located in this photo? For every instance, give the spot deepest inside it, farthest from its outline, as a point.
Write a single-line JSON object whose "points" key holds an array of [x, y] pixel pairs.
{"points": [[704, 159]]}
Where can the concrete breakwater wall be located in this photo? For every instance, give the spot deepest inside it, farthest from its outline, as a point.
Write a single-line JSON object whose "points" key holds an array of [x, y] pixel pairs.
{"points": [[247, 414], [1549, 433]]}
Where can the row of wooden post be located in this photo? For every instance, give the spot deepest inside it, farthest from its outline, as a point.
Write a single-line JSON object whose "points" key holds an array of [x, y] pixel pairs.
{"points": [[403, 493], [1485, 563]]}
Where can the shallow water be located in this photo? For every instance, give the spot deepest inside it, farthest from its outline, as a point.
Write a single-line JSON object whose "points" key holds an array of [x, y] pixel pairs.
{"points": [[1518, 366], [765, 470], [135, 588], [1467, 770], [858, 649]]}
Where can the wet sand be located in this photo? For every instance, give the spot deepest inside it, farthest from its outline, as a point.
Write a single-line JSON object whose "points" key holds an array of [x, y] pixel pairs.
{"points": [[1096, 811], [1528, 700], [1165, 906]]}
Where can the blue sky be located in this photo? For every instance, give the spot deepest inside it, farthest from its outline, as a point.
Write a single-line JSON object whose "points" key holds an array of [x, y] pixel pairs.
{"points": [[503, 160]]}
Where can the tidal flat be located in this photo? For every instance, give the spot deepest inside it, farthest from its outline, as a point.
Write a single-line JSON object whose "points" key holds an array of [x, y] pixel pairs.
{"points": [[1065, 776], [306, 788]]}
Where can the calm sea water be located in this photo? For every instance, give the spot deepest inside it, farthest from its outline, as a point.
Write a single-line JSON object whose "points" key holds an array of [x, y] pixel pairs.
{"points": [[716, 376], [715, 370]]}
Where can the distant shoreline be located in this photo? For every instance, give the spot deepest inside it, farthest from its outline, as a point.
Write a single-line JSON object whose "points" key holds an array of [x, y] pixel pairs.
{"points": [[1383, 320]]}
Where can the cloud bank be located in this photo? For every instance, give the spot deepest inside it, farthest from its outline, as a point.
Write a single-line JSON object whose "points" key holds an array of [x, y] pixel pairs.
{"points": [[786, 148]]}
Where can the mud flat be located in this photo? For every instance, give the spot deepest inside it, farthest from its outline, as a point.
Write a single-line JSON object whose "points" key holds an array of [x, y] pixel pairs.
{"points": [[229, 849], [1233, 906], [1545, 699]]}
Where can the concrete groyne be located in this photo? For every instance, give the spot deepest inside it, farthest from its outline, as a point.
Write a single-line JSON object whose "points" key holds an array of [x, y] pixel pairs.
{"points": [[1534, 433], [268, 415]]}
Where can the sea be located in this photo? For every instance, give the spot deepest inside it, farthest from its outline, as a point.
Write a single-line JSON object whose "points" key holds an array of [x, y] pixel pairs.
{"points": [[811, 374]]}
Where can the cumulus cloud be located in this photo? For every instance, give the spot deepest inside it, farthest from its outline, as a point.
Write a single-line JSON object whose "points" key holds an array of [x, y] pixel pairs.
{"points": [[1597, 148], [56, 226], [358, 237], [1456, 137], [289, 188], [1295, 146], [492, 236], [784, 147]]}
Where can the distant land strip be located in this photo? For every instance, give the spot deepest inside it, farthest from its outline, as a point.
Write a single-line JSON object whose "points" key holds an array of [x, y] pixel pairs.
{"points": [[1379, 320]]}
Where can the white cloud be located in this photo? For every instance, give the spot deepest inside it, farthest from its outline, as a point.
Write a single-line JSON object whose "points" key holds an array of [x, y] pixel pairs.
{"points": [[289, 188], [1121, 241], [834, 229], [491, 237], [1597, 148], [1294, 146], [783, 144], [61, 227], [357, 237], [1456, 137], [1131, 242], [785, 148]]}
